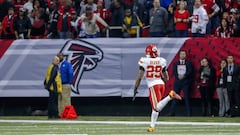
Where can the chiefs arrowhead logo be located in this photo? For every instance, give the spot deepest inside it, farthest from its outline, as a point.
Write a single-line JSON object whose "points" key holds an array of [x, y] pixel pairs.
{"points": [[83, 56]]}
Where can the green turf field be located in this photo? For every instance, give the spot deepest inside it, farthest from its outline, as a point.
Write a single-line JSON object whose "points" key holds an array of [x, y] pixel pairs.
{"points": [[119, 125]]}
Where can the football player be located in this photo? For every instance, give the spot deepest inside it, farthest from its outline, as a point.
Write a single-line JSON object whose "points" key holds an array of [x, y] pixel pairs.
{"points": [[154, 69]]}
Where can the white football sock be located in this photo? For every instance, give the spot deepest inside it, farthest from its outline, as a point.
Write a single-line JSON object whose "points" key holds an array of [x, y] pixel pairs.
{"points": [[163, 103], [154, 117]]}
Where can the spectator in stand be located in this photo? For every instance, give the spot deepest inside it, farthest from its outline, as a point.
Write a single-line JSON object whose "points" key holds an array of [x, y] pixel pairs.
{"points": [[129, 21], [77, 6], [4, 6], [236, 4], [148, 5], [206, 85], [64, 20], [225, 15], [38, 22], [138, 9], [43, 3], [171, 26], [229, 18], [75, 24], [199, 20], [104, 14], [90, 20], [224, 104], [219, 3], [81, 29], [213, 15], [29, 7], [117, 11], [48, 4], [18, 4], [7, 25], [36, 10], [52, 28], [236, 22], [90, 3], [224, 30], [36, 4], [158, 20], [189, 4], [226, 5], [22, 25], [181, 19]]}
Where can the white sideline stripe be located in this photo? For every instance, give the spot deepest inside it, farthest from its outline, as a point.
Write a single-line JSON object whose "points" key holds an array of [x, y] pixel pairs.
{"points": [[120, 122]]}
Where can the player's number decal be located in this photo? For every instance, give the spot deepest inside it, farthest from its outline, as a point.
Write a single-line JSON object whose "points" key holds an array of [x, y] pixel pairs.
{"points": [[154, 71]]}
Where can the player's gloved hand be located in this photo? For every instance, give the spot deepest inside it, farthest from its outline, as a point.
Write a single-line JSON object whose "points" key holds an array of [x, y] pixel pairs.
{"points": [[134, 94], [135, 91]]}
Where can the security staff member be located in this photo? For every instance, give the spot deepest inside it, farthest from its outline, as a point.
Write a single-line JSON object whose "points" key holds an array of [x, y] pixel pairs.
{"points": [[53, 84], [66, 71]]}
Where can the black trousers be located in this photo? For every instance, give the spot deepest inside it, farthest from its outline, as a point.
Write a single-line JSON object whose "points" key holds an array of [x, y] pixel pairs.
{"points": [[233, 94], [186, 90], [206, 100], [53, 104]]}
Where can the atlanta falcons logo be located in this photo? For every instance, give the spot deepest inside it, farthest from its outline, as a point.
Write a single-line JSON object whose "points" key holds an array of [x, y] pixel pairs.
{"points": [[83, 56]]}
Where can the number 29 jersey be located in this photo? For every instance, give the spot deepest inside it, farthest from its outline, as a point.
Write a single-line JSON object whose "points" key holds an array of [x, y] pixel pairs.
{"points": [[153, 68]]}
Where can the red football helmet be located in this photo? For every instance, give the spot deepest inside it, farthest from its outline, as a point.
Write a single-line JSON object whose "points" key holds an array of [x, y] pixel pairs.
{"points": [[152, 51]]}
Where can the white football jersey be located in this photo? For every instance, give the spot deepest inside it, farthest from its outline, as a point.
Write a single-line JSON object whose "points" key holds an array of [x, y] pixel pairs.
{"points": [[199, 20], [153, 69]]}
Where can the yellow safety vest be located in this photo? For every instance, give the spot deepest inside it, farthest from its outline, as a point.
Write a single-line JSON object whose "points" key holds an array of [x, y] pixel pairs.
{"points": [[128, 20], [57, 79]]}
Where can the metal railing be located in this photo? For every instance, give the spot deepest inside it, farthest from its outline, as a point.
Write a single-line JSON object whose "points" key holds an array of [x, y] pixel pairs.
{"points": [[119, 27]]}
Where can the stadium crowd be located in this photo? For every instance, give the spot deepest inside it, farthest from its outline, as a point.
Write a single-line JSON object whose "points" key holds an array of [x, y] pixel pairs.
{"points": [[92, 18]]}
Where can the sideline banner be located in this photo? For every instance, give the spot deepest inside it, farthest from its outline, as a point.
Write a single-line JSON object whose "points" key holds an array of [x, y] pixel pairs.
{"points": [[102, 66]]}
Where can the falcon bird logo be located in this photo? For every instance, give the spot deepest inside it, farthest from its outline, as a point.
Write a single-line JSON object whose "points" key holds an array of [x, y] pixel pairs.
{"points": [[83, 56]]}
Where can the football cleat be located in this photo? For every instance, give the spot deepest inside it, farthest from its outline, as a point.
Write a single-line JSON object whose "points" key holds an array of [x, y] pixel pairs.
{"points": [[150, 129], [174, 95]]}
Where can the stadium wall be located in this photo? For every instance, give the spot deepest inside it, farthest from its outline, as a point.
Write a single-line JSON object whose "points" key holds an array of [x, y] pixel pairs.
{"points": [[105, 69]]}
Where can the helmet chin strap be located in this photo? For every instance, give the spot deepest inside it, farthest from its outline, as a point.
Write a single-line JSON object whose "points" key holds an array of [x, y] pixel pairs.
{"points": [[158, 53], [155, 56]]}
